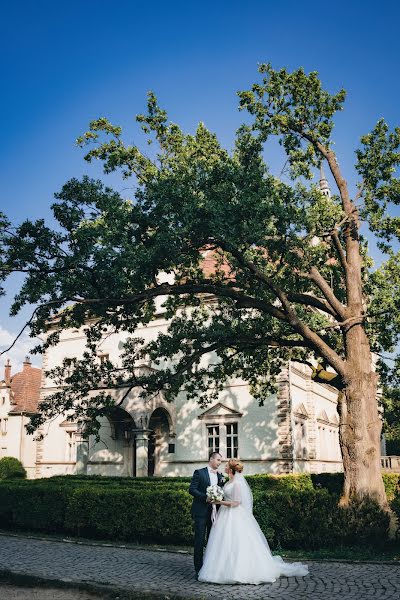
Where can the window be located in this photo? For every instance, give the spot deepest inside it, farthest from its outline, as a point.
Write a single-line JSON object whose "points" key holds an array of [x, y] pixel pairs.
{"points": [[103, 358], [71, 446], [322, 443], [68, 368], [300, 440], [232, 445], [213, 438], [3, 426], [171, 448]]}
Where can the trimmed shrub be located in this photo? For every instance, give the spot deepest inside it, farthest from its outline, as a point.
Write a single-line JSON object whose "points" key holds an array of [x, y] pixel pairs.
{"points": [[11, 468], [391, 482], [299, 519], [333, 482], [363, 523], [395, 506], [33, 507], [154, 514], [312, 519], [279, 483], [303, 518]]}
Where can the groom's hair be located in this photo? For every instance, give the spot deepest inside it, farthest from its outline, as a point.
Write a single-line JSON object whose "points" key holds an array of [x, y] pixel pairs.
{"points": [[212, 454]]}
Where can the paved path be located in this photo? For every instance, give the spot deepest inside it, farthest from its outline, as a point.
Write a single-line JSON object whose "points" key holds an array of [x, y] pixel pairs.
{"points": [[13, 592], [172, 573]]}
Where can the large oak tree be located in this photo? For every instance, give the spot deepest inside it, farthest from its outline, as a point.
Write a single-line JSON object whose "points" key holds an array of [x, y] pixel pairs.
{"points": [[291, 276]]}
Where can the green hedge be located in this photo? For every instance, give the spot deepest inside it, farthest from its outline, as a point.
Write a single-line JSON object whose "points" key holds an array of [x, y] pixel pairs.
{"points": [[133, 515], [395, 505], [295, 518], [333, 482], [312, 519]]}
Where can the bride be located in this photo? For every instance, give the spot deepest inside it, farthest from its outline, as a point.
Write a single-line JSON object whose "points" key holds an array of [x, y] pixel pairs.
{"points": [[237, 551]]}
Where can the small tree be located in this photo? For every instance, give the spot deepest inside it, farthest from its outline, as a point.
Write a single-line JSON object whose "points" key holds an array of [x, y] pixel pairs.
{"points": [[291, 279]]}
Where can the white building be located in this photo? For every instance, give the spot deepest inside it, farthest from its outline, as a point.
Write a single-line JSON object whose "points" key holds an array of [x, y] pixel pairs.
{"points": [[295, 431]]}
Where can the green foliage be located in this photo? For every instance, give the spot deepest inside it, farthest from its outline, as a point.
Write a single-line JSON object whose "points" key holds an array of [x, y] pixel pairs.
{"points": [[332, 482], [290, 512], [33, 506], [391, 404], [279, 483], [154, 514], [11, 468], [293, 106], [395, 506]]}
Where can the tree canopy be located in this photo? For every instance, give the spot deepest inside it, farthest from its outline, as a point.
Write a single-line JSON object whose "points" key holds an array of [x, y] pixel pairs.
{"points": [[292, 275]]}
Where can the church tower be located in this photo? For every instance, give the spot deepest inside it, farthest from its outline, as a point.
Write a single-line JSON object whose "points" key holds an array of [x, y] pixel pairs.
{"points": [[323, 183]]}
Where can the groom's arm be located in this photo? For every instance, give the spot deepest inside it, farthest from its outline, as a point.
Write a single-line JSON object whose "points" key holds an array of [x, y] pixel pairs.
{"points": [[195, 485]]}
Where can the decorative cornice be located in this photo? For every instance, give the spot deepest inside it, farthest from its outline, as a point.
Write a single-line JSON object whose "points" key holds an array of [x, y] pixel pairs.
{"points": [[229, 413], [301, 411]]}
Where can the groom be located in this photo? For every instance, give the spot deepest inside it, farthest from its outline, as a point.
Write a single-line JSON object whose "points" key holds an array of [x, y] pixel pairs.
{"points": [[201, 507]]}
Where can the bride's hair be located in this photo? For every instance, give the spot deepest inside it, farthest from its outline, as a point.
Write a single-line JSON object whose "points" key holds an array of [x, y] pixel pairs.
{"points": [[235, 465]]}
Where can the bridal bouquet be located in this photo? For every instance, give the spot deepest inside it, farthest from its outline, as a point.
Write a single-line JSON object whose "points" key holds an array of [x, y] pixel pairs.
{"points": [[215, 493]]}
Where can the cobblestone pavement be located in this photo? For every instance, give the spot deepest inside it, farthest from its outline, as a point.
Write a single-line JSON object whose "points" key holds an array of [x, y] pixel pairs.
{"points": [[13, 592], [172, 573]]}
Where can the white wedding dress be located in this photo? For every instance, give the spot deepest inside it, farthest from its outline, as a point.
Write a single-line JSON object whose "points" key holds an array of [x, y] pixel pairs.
{"points": [[237, 550]]}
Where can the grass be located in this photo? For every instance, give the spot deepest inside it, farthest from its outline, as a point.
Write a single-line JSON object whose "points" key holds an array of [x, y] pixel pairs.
{"points": [[390, 552]]}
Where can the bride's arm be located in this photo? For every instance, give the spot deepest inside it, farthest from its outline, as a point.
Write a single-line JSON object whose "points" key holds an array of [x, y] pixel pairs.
{"points": [[227, 503]]}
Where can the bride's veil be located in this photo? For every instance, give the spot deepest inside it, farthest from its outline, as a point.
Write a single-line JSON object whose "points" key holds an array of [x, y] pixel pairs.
{"points": [[246, 497]]}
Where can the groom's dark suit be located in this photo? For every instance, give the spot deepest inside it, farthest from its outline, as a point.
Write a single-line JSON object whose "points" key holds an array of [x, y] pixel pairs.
{"points": [[201, 511]]}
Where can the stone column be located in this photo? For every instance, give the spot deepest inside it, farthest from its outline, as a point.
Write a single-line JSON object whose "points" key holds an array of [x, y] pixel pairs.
{"points": [[142, 452], [82, 453]]}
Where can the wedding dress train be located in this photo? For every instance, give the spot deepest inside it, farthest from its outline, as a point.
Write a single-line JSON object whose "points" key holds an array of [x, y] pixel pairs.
{"points": [[237, 550]]}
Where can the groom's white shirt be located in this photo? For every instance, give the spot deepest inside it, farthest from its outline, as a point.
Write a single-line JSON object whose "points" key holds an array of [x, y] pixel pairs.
{"points": [[213, 477]]}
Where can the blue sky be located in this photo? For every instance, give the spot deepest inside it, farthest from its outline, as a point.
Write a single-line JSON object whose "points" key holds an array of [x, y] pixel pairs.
{"points": [[65, 63]]}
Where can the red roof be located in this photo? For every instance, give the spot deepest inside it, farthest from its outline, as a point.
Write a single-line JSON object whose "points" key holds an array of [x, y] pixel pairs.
{"points": [[213, 261], [25, 389]]}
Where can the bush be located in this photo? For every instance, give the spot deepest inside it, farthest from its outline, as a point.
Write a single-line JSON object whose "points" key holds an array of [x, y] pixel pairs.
{"points": [[154, 514], [302, 518], [333, 482], [11, 468], [363, 523], [395, 506], [279, 483], [297, 519], [32, 507], [391, 482]]}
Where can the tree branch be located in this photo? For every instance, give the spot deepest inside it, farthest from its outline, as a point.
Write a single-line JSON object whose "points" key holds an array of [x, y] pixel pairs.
{"points": [[204, 287], [325, 288], [309, 300], [339, 249]]}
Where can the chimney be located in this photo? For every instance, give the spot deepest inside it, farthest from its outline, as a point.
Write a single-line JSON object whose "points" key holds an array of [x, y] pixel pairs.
{"points": [[7, 372], [27, 363]]}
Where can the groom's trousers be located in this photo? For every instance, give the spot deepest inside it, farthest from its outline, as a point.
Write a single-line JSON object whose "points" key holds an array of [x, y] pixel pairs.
{"points": [[202, 526]]}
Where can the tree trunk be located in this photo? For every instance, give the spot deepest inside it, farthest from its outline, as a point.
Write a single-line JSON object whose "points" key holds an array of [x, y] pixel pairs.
{"points": [[360, 424]]}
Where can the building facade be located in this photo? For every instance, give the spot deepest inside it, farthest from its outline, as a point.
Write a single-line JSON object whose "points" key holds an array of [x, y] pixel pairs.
{"points": [[296, 430]]}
